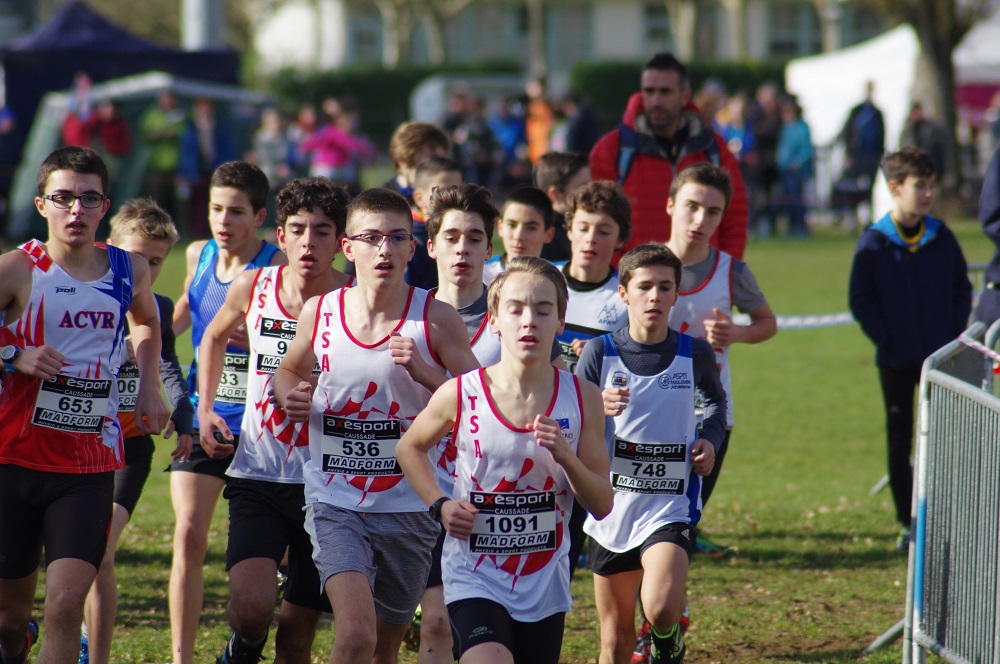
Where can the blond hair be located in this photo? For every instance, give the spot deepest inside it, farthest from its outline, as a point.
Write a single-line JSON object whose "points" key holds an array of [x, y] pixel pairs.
{"points": [[143, 217], [529, 265]]}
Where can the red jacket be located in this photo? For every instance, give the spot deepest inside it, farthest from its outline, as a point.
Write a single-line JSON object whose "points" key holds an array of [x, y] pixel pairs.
{"points": [[648, 181]]}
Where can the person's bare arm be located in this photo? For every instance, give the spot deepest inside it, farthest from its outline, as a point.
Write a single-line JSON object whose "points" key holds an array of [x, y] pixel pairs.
{"points": [[588, 469], [293, 384], [721, 331], [447, 335], [151, 412], [15, 290], [211, 360], [182, 308]]}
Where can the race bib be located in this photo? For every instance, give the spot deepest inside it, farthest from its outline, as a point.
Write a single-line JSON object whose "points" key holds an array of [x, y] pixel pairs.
{"points": [[70, 403], [360, 447], [509, 524], [275, 335], [654, 468], [128, 387], [235, 378]]}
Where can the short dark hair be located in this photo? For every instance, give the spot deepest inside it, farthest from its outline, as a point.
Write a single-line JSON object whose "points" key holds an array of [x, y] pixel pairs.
{"points": [[533, 198], [667, 62], [556, 169], [705, 174], [378, 200], [411, 138], [246, 177], [645, 255], [465, 198], [605, 197], [529, 265], [431, 166], [308, 193], [72, 158], [907, 161]]}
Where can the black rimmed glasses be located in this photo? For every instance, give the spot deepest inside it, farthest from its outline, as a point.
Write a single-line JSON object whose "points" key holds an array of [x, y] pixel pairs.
{"points": [[376, 239], [66, 201]]}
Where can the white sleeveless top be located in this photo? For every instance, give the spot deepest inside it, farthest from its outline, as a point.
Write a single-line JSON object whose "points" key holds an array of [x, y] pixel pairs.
{"points": [[486, 348], [695, 306], [272, 448], [518, 553], [360, 408], [590, 314], [650, 451]]}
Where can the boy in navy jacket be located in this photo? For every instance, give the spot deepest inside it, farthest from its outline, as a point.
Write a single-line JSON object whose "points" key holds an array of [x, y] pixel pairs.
{"points": [[911, 294]]}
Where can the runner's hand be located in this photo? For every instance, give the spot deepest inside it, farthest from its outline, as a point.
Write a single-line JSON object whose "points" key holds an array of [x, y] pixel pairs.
{"points": [[212, 424], [298, 402], [615, 400], [457, 517], [41, 362], [702, 457]]}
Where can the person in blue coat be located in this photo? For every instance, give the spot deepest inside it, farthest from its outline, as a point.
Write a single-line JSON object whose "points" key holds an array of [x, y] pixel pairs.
{"points": [[988, 310], [911, 294]]}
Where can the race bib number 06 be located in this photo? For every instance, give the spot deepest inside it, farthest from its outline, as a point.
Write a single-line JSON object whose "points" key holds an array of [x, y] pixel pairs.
{"points": [[509, 524], [128, 387], [69, 403], [360, 447]]}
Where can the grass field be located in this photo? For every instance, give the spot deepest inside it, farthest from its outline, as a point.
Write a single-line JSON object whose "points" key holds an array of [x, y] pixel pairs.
{"points": [[817, 576]]}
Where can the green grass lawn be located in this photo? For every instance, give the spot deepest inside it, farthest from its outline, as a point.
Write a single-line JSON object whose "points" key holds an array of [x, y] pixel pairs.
{"points": [[817, 576]]}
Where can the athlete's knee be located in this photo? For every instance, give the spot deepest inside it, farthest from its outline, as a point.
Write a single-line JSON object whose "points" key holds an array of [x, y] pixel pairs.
{"points": [[190, 540], [435, 628], [355, 641], [250, 616], [65, 603], [617, 641]]}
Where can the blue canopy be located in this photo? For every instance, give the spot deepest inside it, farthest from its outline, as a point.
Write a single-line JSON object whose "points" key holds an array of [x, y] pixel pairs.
{"points": [[75, 27]]}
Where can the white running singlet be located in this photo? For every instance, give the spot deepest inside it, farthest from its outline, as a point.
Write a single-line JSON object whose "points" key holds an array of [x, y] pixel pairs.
{"points": [[590, 314], [272, 448], [650, 451], [361, 406], [518, 553], [695, 306], [68, 424]]}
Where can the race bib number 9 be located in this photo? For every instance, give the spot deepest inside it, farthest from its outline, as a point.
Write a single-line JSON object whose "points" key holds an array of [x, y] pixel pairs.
{"points": [[235, 378], [658, 468], [128, 387], [69, 403], [510, 524], [360, 447]]}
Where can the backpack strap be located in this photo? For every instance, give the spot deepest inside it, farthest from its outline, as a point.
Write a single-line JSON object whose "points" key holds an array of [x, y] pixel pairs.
{"points": [[628, 145]]}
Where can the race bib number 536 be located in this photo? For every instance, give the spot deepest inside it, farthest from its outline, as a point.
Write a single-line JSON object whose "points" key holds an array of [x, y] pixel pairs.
{"points": [[360, 447]]}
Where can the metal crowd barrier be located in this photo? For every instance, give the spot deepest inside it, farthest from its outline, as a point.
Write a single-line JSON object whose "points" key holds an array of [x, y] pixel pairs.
{"points": [[954, 562]]}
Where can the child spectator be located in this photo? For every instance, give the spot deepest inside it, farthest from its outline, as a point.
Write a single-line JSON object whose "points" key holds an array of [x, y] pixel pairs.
{"points": [[910, 292]]}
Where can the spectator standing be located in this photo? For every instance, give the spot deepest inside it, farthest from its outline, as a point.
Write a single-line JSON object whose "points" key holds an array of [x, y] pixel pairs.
{"points": [[795, 165], [762, 167], [160, 129], [333, 149], [509, 127], [582, 128], [928, 135], [988, 309], [109, 134], [863, 136], [206, 144], [662, 133], [272, 151], [910, 292], [475, 146]]}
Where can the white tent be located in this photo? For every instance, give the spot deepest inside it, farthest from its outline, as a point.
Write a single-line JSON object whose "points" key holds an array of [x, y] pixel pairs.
{"points": [[829, 85]]}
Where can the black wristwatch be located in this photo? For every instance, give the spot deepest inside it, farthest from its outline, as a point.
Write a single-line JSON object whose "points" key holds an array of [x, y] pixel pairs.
{"points": [[435, 509], [8, 354]]}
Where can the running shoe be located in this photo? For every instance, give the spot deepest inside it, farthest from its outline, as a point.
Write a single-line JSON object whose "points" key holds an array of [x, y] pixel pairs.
{"points": [[643, 640], [412, 636], [674, 653], [31, 634], [903, 541], [707, 547], [84, 650], [239, 652]]}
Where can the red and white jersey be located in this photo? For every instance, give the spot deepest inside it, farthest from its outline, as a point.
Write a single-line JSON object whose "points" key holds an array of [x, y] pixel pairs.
{"points": [[518, 553], [695, 306], [272, 448], [362, 405], [68, 424], [486, 345]]}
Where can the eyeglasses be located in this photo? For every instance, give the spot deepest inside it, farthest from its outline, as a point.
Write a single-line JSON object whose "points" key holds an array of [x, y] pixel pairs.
{"points": [[66, 201], [376, 239]]}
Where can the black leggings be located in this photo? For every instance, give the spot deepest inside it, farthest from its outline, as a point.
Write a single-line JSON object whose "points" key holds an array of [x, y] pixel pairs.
{"points": [[899, 388]]}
